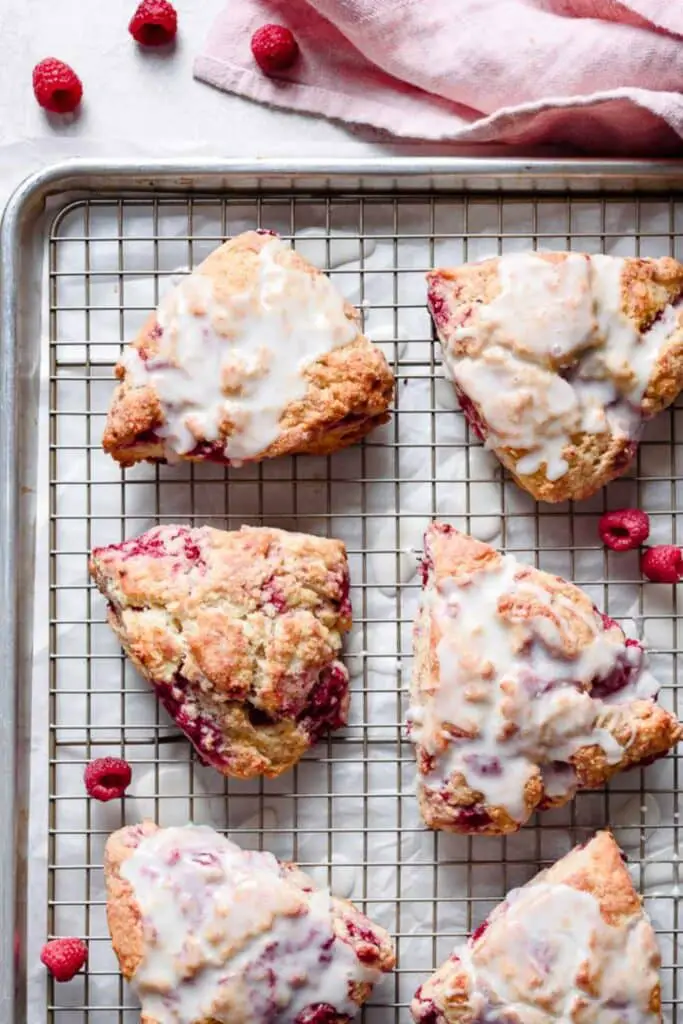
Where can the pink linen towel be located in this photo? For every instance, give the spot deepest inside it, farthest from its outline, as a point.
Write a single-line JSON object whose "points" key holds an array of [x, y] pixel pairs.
{"points": [[600, 75]]}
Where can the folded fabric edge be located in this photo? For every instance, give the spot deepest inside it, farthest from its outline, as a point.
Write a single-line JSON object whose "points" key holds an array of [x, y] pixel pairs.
{"points": [[338, 106], [439, 125]]}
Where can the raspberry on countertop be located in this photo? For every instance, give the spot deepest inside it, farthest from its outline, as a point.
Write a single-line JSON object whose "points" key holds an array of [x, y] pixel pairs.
{"points": [[155, 23], [56, 86]]}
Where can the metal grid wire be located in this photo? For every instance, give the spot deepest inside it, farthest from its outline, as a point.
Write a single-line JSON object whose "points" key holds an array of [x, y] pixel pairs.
{"points": [[348, 810]]}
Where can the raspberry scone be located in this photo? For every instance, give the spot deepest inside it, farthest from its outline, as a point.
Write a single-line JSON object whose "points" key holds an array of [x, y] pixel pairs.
{"points": [[255, 354], [207, 932], [573, 944], [558, 360], [522, 691], [239, 633]]}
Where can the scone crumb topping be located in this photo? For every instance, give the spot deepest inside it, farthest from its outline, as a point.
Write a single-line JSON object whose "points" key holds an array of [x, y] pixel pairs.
{"points": [[231, 937], [552, 355], [549, 949], [529, 672], [228, 366], [239, 633]]}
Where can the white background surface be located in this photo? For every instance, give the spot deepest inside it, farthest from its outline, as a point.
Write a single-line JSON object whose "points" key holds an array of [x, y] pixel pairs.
{"points": [[141, 102], [147, 104], [136, 102], [348, 811]]}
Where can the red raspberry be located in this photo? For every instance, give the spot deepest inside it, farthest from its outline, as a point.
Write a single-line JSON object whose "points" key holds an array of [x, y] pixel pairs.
{"points": [[64, 957], [106, 778], [274, 48], [56, 86], [624, 529], [662, 564], [478, 932], [154, 23]]}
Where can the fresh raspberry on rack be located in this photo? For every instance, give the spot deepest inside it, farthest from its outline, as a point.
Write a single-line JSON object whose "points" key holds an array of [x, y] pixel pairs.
{"points": [[154, 23], [662, 564], [64, 957], [624, 528], [274, 48], [56, 86], [106, 778]]}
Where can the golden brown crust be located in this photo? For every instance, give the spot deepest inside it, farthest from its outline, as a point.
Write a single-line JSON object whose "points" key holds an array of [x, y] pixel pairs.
{"points": [[349, 393], [128, 940], [123, 913], [596, 868], [648, 286], [565, 624], [239, 633]]}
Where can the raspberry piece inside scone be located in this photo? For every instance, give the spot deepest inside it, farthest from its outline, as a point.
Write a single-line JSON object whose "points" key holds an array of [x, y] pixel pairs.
{"points": [[522, 691], [573, 944], [239, 633], [558, 359], [253, 355], [196, 945]]}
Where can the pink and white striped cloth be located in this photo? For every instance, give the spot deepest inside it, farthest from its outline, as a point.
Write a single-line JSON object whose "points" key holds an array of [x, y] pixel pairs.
{"points": [[600, 75]]}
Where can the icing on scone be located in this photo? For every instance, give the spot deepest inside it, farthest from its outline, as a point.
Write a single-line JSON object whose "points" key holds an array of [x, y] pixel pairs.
{"points": [[572, 946], [553, 355], [239, 363], [514, 674], [553, 935], [227, 935], [550, 946], [506, 685]]}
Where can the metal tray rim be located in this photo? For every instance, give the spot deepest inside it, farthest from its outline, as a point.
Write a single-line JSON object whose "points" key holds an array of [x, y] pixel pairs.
{"points": [[20, 219]]}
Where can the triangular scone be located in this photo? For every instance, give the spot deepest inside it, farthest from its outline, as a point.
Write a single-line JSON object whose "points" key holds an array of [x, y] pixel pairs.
{"points": [[558, 359], [207, 932], [522, 691], [239, 634], [255, 354], [572, 946]]}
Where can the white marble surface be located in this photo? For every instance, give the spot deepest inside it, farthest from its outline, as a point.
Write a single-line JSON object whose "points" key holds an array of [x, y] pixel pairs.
{"points": [[136, 102], [139, 102]]}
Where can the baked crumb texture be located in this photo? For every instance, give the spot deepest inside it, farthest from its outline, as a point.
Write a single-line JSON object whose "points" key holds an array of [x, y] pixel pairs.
{"points": [[253, 355], [572, 945], [207, 932], [522, 691], [240, 635], [559, 359]]}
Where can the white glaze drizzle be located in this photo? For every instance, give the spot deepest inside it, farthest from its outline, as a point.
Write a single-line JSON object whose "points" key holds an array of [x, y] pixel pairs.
{"points": [[524, 704], [228, 936], [543, 948], [242, 360], [553, 355]]}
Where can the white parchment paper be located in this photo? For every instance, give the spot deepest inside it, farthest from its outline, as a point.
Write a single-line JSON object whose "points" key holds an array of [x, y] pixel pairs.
{"points": [[348, 812]]}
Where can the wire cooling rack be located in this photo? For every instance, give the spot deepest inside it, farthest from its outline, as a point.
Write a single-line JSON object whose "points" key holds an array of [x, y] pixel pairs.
{"points": [[347, 813]]}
